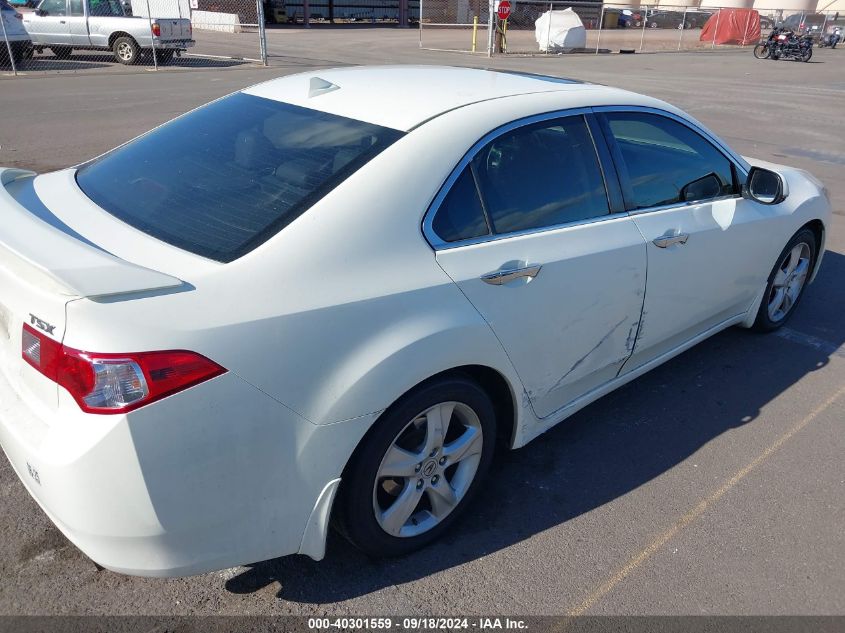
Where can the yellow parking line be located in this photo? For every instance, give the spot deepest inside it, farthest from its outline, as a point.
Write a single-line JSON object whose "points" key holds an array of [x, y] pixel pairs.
{"points": [[632, 564]]}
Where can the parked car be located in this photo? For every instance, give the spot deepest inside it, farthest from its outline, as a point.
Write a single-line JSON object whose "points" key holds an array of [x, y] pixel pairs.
{"points": [[245, 325], [625, 18], [67, 25], [695, 19], [810, 23], [13, 32], [667, 20]]}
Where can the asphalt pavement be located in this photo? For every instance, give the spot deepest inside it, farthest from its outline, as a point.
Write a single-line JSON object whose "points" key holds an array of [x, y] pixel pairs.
{"points": [[713, 485]]}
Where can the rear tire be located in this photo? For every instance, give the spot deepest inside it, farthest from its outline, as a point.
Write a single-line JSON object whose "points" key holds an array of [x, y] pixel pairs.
{"points": [[163, 57], [61, 52], [807, 55], [126, 50], [407, 482], [787, 281]]}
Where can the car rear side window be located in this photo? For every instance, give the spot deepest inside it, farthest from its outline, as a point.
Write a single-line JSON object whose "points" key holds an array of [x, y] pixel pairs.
{"points": [[461, 215], [667, 162], [541, 175], [223, 179]]}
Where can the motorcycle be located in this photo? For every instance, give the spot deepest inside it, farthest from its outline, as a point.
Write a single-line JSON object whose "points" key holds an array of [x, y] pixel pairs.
{"points": [[831, 40], [798, 48], [764, 48]]}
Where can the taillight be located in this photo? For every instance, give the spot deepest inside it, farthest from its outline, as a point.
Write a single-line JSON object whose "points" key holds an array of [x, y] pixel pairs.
{"points": [[115, 383], [156, 29]]}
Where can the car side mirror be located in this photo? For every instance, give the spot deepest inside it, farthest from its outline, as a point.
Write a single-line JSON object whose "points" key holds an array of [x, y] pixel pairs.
{"points": [[765, 186], [41, 13]]}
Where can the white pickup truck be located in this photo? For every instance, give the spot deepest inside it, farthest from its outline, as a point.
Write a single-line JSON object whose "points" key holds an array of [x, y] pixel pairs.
{"points": [[66, 25]]}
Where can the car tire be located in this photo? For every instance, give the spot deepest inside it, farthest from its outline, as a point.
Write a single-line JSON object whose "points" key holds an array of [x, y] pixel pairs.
{"points": [[61, 52], [785, 287], [126, 50], [430, 494], [652, 25]]}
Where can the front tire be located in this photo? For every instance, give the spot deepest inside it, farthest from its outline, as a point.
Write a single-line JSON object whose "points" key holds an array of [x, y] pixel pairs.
{"points": [[787, 281], [419, 466], [761, 51], [126, 50]]}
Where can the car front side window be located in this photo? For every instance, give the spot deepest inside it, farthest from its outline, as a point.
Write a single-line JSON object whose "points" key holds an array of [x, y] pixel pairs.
{"points": [[53, 7], [667, 162]]}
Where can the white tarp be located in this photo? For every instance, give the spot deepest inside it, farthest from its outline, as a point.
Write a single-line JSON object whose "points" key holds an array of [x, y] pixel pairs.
{"points": [[560, 31]]}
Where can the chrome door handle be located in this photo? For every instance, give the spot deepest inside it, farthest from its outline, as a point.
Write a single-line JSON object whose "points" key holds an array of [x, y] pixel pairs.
{"points": [[667, 240], [504, 276]]}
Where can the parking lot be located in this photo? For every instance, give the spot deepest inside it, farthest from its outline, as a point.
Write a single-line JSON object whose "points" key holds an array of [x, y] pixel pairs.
{"points": [[713, 485]]}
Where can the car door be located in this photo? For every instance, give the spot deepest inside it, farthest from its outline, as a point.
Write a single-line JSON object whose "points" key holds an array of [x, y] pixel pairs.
{"points": [[78, 24], [538, 242], [50, 25], [706, 262]]}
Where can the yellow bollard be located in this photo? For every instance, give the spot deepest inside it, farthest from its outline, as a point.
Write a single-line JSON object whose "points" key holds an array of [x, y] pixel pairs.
{"points": [[474, 32]]}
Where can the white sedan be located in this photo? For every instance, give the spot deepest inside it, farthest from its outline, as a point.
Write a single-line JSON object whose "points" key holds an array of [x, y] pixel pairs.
{"points": [[327, 296]]}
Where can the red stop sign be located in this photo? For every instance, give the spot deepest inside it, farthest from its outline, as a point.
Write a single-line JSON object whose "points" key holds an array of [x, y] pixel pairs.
{"points": [[504, 9]]}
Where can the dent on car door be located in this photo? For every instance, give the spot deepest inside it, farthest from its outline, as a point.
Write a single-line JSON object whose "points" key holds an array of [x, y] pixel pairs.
{"points": [[526, 231], [706, 254]]}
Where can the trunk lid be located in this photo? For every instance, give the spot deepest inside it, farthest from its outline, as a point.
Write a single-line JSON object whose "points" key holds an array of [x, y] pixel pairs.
{"points": [[44, 264]]}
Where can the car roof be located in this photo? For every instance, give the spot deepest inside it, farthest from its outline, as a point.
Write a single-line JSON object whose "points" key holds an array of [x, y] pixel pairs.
{"points": [[404, 97]]}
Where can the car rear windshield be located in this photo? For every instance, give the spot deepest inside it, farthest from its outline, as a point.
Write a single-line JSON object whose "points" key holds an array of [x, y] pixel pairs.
{"points": [[223, 179]]}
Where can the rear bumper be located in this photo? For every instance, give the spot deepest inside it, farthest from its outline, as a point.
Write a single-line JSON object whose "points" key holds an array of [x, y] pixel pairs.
{"points": [[173, 44], [190, 484]]}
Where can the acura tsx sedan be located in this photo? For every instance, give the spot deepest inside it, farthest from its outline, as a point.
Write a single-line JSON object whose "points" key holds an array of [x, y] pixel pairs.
{"points": [[322, 301]]}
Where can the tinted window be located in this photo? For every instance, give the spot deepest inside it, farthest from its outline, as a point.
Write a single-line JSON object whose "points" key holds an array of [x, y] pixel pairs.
{"points": [[223, 179], [541, 175], [101, 8], [54, 7], [667, 162], [76, 7], [5, 6], [460, 215]]}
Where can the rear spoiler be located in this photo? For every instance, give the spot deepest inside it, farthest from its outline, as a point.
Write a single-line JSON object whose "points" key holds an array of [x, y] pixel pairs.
{"points": [[37, 251]]}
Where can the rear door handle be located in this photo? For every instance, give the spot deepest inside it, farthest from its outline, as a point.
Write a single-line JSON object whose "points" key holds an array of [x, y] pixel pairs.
{"points": [[665, 241], [504, 276]]}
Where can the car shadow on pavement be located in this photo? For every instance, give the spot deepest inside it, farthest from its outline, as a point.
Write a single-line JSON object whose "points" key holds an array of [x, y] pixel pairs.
{"points": [[59, 65], [605, 451], [106, 60]]}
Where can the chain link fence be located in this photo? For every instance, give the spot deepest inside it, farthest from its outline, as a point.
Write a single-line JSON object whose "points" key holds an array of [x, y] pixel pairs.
{"points": [[455, 25], [74, 35], [576, 27], [137, 35]]}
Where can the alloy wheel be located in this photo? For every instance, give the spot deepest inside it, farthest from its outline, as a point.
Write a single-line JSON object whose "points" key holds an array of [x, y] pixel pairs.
{"points": [[789, 281], [428, 469]]}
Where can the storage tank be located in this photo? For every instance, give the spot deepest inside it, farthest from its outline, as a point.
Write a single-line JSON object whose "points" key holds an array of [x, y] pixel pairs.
{"points": [[788, 6], [729, 4]]}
